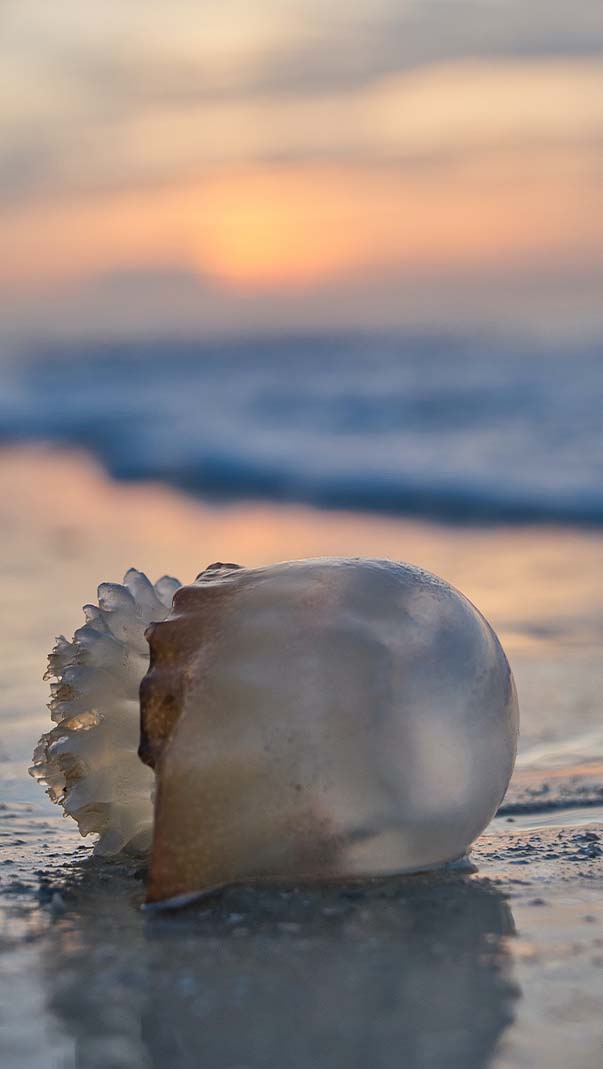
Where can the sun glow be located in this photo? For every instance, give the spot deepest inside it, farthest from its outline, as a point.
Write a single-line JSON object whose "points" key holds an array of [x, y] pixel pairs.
{"points": [[283, 228], [221, 159], [286, 227]]}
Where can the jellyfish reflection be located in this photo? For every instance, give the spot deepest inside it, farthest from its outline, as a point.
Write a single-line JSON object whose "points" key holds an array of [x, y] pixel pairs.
{"points": [[411, 972]]}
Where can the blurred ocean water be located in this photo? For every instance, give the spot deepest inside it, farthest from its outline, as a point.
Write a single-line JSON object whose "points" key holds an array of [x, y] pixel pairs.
{"points": [[456, 428]]}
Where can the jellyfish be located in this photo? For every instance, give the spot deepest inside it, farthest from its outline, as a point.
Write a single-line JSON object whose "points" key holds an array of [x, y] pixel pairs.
{"points": [[313, 720]]}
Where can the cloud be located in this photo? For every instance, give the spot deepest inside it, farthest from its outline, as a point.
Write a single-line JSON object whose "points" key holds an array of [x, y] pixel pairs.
{"points": [[127, 130], [555, 299], [142, 52], [426, 119], [103, 96]]}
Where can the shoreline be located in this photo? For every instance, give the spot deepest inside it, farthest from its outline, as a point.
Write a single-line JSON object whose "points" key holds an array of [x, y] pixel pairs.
{"points": [[508, 958]]}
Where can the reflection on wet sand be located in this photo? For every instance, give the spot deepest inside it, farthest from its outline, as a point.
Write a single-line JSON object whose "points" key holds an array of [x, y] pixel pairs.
{"points": [[410, 972], [63, 518]]}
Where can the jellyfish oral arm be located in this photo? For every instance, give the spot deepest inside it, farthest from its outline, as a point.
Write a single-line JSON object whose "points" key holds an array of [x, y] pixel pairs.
{"points": [[89, 761]]}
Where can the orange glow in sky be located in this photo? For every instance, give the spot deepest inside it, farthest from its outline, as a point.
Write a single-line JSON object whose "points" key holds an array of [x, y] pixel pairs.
{"points": [[276, 229], [290, 226], [245, 153]]}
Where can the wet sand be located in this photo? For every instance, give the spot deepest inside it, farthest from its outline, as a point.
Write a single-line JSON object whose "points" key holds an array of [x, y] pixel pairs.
{"points": [[498, 965]]}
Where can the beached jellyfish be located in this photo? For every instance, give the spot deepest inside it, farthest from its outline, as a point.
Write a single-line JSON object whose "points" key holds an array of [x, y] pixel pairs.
{"points": [[317, 719]]}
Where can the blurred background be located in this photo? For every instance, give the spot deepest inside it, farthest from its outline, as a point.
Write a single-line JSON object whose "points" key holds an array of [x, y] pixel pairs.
{"points": [[349, 254], [295, 165]]}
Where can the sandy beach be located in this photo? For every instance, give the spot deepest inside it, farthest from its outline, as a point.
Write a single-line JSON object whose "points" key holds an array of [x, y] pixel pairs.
{"points": [[500, 963]]}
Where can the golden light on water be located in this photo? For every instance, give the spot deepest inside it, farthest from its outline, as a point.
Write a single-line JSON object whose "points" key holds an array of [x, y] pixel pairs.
{"points": [[96, 529]]}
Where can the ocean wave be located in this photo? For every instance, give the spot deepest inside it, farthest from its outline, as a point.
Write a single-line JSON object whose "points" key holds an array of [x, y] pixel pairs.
{"points": [[453, 428]]}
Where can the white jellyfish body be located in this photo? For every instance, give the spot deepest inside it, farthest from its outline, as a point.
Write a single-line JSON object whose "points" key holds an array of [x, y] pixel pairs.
{"points": [[322, 719]]}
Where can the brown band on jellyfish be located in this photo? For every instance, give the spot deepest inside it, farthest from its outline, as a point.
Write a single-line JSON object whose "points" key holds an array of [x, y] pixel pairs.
{"points": [[172, 645]]}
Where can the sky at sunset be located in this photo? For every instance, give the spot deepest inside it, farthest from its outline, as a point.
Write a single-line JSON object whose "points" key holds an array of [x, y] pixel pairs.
{"points": [[294, 164]]}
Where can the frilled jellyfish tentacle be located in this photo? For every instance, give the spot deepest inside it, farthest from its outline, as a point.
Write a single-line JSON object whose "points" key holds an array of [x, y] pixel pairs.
{"points": [[89, 761]]}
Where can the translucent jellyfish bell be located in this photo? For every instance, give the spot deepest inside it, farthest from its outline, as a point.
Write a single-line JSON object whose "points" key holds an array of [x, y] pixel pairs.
{"points": [[320, 719]]}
